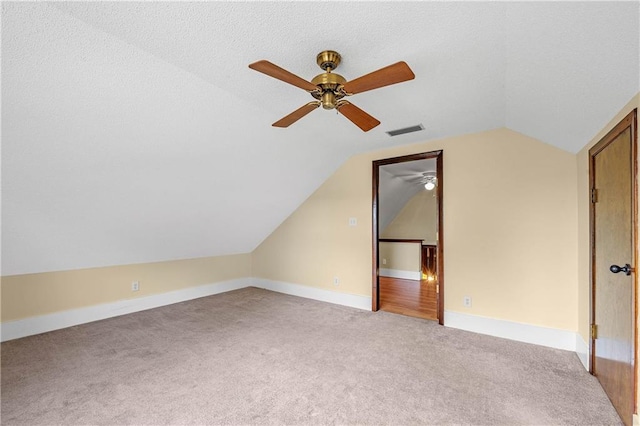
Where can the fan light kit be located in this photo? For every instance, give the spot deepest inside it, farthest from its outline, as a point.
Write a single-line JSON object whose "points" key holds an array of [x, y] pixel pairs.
{"points": [[431, 183], [330, 88], [429, 180]]}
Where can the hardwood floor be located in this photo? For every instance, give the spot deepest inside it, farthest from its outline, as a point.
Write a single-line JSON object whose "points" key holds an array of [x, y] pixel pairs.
{"points": [[409, 297]]}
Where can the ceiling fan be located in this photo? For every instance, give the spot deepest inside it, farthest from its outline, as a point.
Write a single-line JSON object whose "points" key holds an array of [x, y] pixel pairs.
{"points": [[428, 179], [329, 88]]}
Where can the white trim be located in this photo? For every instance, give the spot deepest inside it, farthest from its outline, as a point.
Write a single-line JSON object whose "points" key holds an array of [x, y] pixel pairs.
{"points": [[345, 299], [582, 350], [399, 273], [544, 336], [555, 338], [41, 324]]}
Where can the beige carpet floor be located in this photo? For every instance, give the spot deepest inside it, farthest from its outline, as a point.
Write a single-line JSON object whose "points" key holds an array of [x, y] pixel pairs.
{"points": [[256, 357]]}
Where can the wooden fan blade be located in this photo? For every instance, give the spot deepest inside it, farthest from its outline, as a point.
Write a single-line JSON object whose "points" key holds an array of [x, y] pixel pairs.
{"points": [[275, 71], [392, 74], [296, 115], [357, 116]]}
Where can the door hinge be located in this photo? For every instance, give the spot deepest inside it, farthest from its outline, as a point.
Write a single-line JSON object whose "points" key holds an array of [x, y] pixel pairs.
{"points": [[594, 195], [437, 288], [594, 331]]}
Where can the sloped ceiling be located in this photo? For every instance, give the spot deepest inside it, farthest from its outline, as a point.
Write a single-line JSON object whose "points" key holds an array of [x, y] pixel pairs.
{"points": [[397, 184], [135, 132]]}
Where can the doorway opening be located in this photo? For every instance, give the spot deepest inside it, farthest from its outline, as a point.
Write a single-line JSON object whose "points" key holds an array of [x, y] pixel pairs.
{"points": [[407, 271]]}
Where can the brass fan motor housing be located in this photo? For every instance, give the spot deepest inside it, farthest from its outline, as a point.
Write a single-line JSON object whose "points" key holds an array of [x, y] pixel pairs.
{"points": [[328, 83], [328, 80]]}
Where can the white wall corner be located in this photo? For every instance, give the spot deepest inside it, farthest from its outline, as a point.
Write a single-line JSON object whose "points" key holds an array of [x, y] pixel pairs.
{"points": [[41, 324], [582, 350], [345, 299], [544, 336], [398, 273]]}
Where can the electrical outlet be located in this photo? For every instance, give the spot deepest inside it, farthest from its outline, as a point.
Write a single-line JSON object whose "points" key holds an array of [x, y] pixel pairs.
{"points": [[353, 221], [336, 281], [384, 261], [135, 286], [466, 301]]}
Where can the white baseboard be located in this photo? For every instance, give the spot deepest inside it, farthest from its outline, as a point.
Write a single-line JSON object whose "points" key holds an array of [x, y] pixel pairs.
{"points": [[41, 324], [352, 300], [582, 350], [399, 273], [544, 336], [555, 338]]}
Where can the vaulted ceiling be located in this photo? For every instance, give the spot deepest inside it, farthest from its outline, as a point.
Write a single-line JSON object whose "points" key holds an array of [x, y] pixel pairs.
{"points": [[135, 132]]}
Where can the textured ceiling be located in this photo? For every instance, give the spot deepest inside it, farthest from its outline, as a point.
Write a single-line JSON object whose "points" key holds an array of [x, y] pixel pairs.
{"points": [[135, 132]]}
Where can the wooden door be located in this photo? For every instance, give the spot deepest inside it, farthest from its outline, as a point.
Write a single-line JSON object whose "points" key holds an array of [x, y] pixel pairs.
{"points": [[613, 179]]}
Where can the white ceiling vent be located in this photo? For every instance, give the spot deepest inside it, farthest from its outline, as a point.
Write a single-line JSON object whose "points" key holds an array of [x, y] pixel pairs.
{"points": [[404, 130]]}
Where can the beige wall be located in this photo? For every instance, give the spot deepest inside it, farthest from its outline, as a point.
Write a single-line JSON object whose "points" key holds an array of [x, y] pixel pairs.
{"points": [[416, 220], [400, 256], [510, 235], [30, 295]]}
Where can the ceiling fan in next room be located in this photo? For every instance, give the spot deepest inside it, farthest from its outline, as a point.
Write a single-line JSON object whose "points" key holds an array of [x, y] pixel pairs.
{"points": [[329, 88]]}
